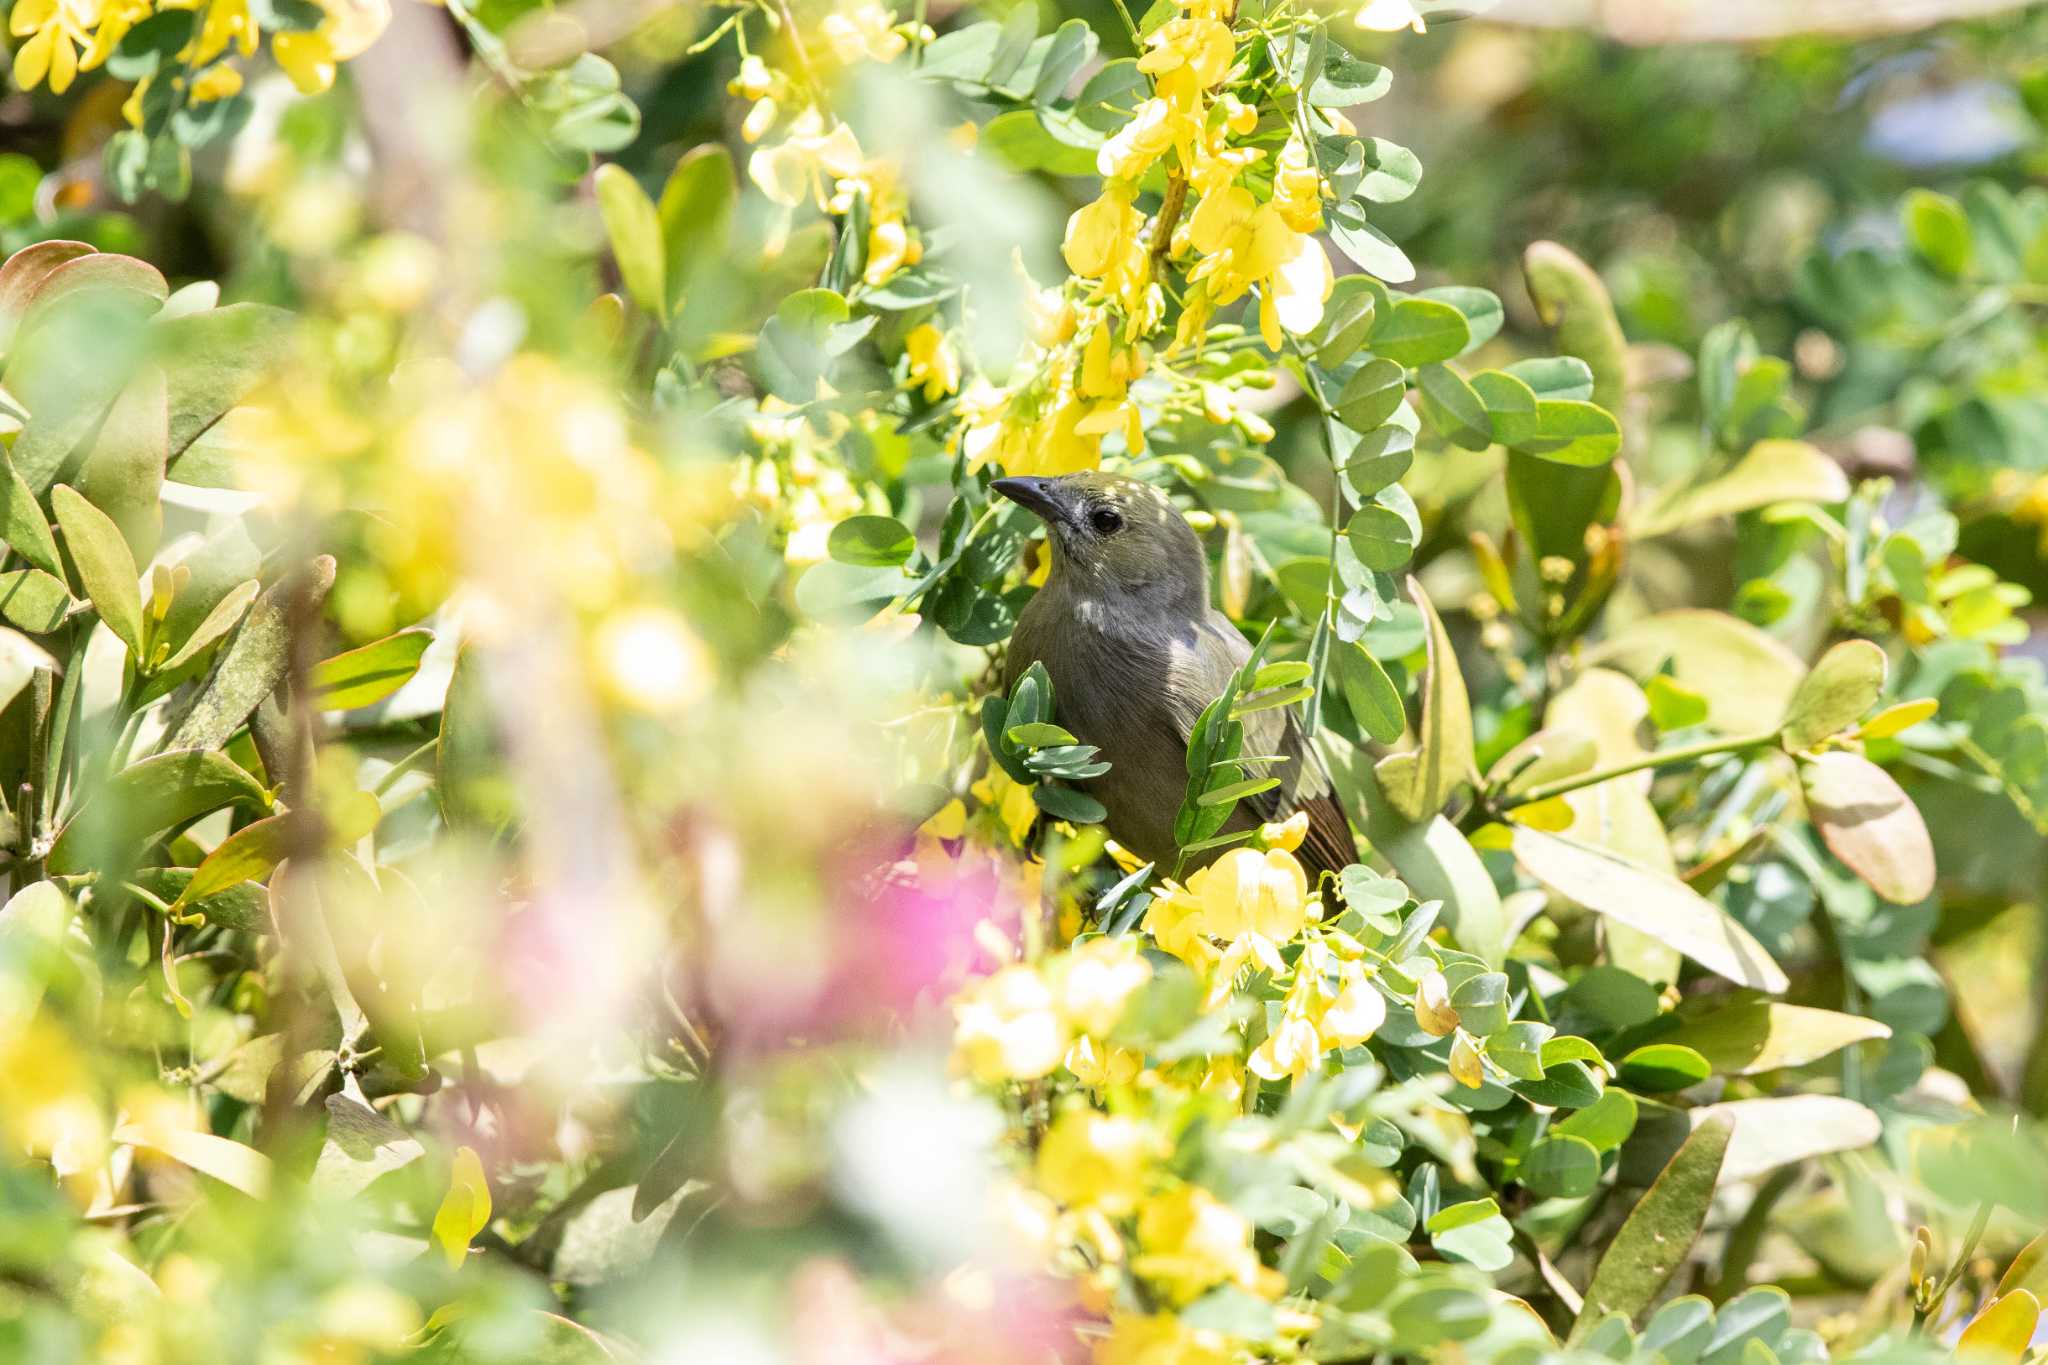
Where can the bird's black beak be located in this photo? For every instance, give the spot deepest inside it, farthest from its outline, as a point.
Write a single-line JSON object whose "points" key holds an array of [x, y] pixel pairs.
{"points": [[1035, 495]]}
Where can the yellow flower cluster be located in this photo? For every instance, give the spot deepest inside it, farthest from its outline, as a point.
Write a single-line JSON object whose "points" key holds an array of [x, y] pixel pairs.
{"points": [[1025, 1021], [818, 158], [1074, 390], [65, 37]]}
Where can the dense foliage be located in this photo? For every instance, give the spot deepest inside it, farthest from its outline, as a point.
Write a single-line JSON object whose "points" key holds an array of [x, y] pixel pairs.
{"points": [[519, 848]]}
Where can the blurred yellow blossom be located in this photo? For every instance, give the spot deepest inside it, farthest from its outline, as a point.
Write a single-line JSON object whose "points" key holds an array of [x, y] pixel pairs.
{"points": [[1097, 980], [1190, 1241], [1089, 1159], [933, 362], [1160, 1339], [1006, 1027]]}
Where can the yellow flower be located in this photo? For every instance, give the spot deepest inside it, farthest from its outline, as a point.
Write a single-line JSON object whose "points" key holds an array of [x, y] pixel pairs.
{"points": [[1466, 1068], [863, 32], [933, 362], [1102, 241], [890, 248], [1201, 47], [1281, 834], [1088, 1159], [1297, 189], [217, 82], [1010, 800], [1244, 243], [1006, 1029], [1250, 892], [1354, 1016], [754, 80], [1159, 1339], [1097, 1065], [1292, 1050], [1155, 126], [1433, 1012], [1189, 1241], [1098, 981], [1224, 1078], [56, 29], [792, 170], [308, 58]]}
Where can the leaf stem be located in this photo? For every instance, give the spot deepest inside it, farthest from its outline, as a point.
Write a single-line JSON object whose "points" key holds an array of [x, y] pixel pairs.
{"points": [[1662, 758]]}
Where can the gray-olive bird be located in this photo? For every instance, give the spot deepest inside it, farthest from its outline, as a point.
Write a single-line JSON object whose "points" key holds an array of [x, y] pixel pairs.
{"points": [[1124, 628]]}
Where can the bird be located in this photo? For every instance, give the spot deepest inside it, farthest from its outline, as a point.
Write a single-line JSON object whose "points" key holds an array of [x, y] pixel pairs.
{"points": [[1124, 628]]}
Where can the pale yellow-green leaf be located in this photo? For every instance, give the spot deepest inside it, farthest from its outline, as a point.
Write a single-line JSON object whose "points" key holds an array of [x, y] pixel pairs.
{"points": [[1435, 860], [1752, 1036], [1773, 471], [635, 231], [465, 1209], [226, 614], [2003, 1331], [104, 564], [1779, 1129], [1898, 718], [20, 659], [1651, 903], [1617, 814], [32, 926], [228, 1161], [1747, 677], [2029, 1270], [369, 673], [247, 855], [22, 525], [1844, 685], [1870, 824], [1419, 782]]}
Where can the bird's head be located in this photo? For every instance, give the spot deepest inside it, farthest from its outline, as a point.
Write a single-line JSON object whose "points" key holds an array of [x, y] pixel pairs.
{"points": [[1115, 537]]}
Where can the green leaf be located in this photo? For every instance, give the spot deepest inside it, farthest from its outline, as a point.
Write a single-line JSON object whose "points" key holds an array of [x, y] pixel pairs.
{"points": [[1381, 537], [1064, 803], [247, 855], [223, 618], [1659, 1232], [1481, 307], [1374, 701], [123, 470], [215, 360], [1938, 231], [22, 525], [252, 664], [245, 906], [871, 542], [1347, 80], [1473, 1232], [696, 213], [369, 673], [361, 1146], [1518, 1048], [1482, 1003], [1037, 733], [1436, 861], [145, 799], [1418, 331], [1370, 396], [470, 778], [1663, 907], [32, 929], [1773, 471], [1839, 691], [104, 564], [1747, 677], [1392, 173], [1761, 1035], [633, 226], [1561, 1167], [1605, 1124], [1569, 296], [1510, 406], [1347, 318], [1870, 824], [1562, 376], [1673, 705], [1453, 408], [1072, 47], [1419, 782], [1582, 435], [1661, 1067], [33, 601]]}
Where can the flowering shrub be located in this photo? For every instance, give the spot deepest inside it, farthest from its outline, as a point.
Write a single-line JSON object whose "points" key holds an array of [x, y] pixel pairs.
{"points": [[518, 848]]}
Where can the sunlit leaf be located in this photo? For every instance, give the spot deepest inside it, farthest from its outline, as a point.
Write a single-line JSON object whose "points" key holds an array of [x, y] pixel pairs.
{"points": [[1870, 824]]}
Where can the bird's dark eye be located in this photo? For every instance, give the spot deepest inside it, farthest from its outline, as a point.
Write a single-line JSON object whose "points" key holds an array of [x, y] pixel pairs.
{"points": [[1106, 521]]}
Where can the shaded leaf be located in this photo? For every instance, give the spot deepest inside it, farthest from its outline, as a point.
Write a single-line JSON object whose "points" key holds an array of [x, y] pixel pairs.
{"points": [[151, 796], [1419, 782], [1870, 824], [1660, 1230], [361, 1146]]}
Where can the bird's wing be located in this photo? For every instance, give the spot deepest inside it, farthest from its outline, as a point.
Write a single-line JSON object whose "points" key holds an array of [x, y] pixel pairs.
{"points": [[1196, 678]]}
